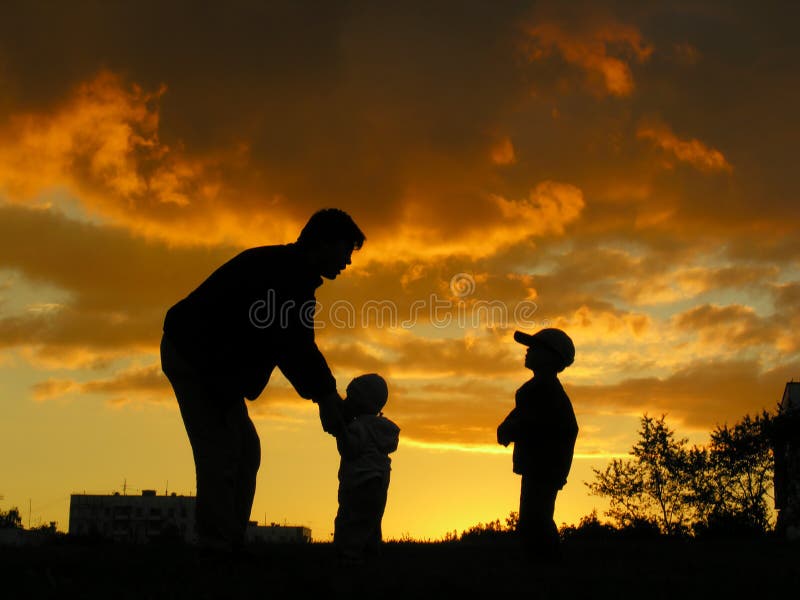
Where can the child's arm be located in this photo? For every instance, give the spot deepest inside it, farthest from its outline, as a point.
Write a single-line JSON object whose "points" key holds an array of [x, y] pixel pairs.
{"points": [[508, 430]]}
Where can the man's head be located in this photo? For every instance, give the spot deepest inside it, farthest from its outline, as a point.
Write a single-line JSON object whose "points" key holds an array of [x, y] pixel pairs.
{"points": [[329, 238]]}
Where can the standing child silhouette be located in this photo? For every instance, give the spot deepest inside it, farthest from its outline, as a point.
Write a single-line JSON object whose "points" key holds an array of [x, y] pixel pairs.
{"points": [[543, 428], [364, 445]]}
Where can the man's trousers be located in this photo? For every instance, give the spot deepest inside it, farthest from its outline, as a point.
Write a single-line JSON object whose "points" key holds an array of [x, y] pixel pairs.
{"points": [[226, 450]]}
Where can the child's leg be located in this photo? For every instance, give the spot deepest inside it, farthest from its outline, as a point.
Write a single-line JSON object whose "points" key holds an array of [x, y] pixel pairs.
{"points": [[342, 525], [357, 525], [537, 529], [379, 495]]}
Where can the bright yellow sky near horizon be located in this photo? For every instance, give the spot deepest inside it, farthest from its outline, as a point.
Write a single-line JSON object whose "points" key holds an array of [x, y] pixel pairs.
{"points": [[623, 170]]}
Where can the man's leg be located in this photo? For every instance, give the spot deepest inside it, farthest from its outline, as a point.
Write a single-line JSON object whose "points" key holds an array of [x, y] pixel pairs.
{"points": [[225, 448], [248, 462]]}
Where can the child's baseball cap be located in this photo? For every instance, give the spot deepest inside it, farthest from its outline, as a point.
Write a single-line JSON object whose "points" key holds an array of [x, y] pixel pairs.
{"points": [[552, 338], [368, 393]]}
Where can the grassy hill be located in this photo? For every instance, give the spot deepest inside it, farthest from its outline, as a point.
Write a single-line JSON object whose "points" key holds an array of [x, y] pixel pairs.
{"points": [[660, 568]]}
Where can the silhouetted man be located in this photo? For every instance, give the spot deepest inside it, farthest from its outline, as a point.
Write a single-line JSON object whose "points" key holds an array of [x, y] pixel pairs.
{"points": [[222, 342]]}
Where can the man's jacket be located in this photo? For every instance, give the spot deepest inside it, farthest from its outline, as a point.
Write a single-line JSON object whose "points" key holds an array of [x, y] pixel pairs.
{"points": [[252, 314]]}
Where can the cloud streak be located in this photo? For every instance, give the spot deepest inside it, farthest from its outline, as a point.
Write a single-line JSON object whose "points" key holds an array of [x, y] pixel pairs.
{"points": [[591, 49], [691, 151]]}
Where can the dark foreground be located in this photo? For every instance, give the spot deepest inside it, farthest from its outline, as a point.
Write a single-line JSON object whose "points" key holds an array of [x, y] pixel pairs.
{"points": [[590, 569]]}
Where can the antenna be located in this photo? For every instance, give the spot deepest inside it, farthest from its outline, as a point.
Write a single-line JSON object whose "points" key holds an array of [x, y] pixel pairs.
{"points": [[166, 488], [124, 487]]}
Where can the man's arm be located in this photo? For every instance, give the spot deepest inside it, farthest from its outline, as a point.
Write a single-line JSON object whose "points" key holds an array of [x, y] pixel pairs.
{"points": [[301, 361], [330, 413], [298, 356]]}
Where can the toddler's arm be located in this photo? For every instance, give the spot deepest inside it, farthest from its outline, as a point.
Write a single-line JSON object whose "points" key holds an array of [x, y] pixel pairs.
{"points": [[348, 442]]}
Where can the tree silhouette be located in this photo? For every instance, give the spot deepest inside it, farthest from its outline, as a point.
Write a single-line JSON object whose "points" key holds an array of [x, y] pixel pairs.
{"points": [[10, 519], [653, 486], [740, 474], [694, 489]]}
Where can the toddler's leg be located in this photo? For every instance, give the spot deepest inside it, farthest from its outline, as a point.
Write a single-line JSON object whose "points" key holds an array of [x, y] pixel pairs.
{"points": [[357, 524]]}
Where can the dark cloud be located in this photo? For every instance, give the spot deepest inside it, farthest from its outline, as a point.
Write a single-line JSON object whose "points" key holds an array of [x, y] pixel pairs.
{"points": [[702, 395], [733, 326], [118, 286], [103, 267], [332, 105], [326, 104]]}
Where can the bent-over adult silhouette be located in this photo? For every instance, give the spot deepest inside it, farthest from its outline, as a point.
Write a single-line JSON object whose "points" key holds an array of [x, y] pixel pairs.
{"points": [[222, 342]]}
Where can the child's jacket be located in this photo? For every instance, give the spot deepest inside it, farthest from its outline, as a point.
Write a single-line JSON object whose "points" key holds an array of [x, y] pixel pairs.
{"points": [[543, 427], [365, 446]]}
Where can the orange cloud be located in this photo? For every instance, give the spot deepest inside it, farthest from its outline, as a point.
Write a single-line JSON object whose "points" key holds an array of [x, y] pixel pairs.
{"points": [[691, 151], [590, 50], [102, 144], [666, 285], [702, 395], [424, 232], [739, 328], [135, 384], [738, 276], [101, 131], [50, 389], [550, 206], [502, 152]]}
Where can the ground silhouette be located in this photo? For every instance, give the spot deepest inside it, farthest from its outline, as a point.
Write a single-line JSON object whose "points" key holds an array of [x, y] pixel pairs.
{"points": [[662, 568]]}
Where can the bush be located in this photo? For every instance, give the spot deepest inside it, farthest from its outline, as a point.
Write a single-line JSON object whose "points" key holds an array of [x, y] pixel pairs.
{"points": [[589, 528], [10, 519], [729, 526]]}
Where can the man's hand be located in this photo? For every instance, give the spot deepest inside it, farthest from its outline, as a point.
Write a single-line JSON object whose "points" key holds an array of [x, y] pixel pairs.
{"points": [[330, 413]]}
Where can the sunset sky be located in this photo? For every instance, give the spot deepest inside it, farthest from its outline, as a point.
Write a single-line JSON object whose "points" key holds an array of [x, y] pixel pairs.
{"points": [[626, 171]]}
